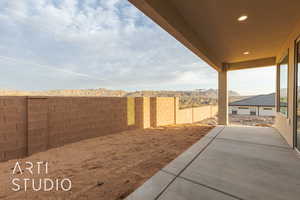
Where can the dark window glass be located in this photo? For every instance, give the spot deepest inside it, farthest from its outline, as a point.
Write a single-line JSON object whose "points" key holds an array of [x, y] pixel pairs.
{"points": [[267, 108], [245, 108], [283, 69], [298, 97]]}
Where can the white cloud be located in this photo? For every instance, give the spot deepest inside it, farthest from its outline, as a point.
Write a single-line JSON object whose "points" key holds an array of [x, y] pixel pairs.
{"points": [[253, 81], [92, 43]]}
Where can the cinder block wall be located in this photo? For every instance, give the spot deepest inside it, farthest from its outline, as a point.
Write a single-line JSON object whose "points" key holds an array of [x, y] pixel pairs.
{"points": [[146, 113], [153, 112], [33, 124], [165, 111], [74, 119], [13, 127], [37, 125], [183, 116], [162, 111], [191, 115], [142, 112], [204, 112]]}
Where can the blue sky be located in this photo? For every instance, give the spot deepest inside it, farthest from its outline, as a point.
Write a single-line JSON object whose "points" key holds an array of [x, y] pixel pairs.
{"points": [[77, 44]]}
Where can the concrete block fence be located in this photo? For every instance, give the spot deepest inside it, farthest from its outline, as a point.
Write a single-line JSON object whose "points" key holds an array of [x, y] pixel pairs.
{"points": [[33, 124]]}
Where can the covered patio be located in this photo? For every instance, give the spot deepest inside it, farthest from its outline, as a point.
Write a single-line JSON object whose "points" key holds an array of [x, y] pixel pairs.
{"points": [[230, 162], [236, 35], [236, 162]]}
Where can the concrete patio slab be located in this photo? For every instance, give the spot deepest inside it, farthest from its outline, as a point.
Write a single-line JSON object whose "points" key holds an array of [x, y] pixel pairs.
{"points": [[248, 171], [177, 165], [183, 189], [186, 157], [258, 135], [215, 131], [237, 163], [153, 187]]}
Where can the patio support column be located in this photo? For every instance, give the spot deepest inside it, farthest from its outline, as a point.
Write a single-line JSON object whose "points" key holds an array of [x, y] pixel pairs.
{"points": [[222, 97]]}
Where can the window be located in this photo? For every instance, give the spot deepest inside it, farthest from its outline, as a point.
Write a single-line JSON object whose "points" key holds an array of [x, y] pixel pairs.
{"points": [[252, 112], [283, 85], [234, 112], [246, 108], [267, 108], [297, 114]]}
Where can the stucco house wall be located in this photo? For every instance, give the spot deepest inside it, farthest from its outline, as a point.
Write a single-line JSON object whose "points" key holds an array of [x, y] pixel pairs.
{"points": [[286, 124], [259, 110]]}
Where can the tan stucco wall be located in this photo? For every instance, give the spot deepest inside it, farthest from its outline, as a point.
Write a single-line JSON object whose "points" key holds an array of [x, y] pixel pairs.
{"points": [[283, 124], [223, 97]]}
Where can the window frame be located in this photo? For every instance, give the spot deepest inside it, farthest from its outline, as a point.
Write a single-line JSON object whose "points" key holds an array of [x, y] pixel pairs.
{"points": [[297, 42], [267, 108], [285, 55], [243, 107]]}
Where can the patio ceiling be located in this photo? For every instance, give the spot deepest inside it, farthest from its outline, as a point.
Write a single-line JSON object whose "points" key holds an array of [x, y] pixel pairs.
{"points": [[210, 28]]}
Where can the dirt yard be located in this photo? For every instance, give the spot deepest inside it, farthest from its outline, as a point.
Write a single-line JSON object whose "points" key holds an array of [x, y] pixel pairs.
{"points": [[104, 168]]}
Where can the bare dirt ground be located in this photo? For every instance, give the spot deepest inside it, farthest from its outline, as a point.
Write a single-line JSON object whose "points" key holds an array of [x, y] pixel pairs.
{"points": [[211, 121], [244, 120], [251, 120], [104, 168]]}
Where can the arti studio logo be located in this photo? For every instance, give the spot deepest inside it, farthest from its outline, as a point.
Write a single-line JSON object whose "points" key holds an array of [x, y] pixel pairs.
{"points": [[37, 184]]}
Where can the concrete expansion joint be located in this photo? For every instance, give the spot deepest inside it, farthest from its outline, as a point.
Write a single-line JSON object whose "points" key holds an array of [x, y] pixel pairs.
{"points": [[189, 163], [254, 143], [211, 188]]}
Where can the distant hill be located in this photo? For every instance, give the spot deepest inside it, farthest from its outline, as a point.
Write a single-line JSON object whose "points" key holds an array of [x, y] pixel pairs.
{"points": [[83, 92], [191, 98], [209, 93], [206, 93]]}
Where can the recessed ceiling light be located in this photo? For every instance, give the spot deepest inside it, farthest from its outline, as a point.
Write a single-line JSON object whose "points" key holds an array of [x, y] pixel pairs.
{"points": [[246, 52], [242, 18]]}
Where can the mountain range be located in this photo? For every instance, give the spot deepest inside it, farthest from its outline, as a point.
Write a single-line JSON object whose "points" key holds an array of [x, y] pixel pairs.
{"points": [[204, 93]]}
